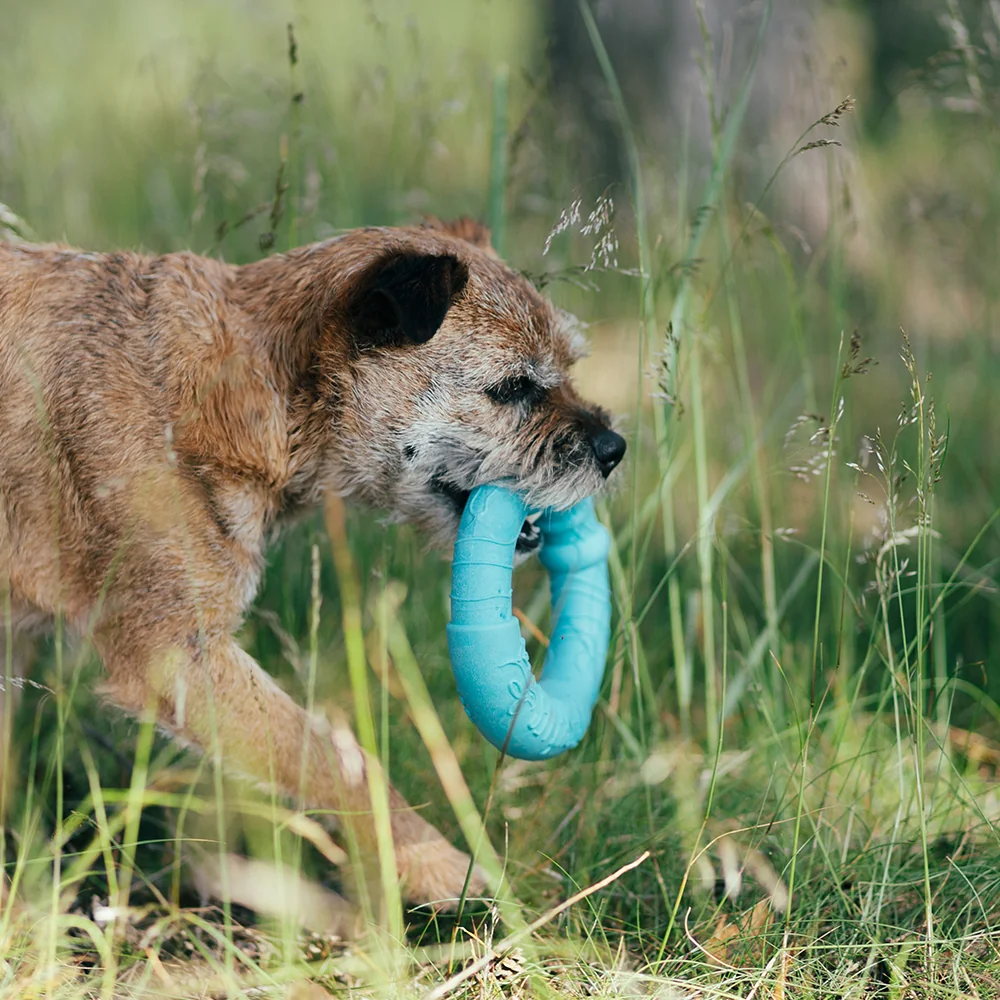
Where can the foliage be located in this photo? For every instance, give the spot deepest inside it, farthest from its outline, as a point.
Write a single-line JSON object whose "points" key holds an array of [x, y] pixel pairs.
{"points": [[798, 722]]}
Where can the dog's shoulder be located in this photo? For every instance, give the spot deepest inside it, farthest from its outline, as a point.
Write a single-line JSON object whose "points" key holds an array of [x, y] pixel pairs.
{"points": [[127, 350]]}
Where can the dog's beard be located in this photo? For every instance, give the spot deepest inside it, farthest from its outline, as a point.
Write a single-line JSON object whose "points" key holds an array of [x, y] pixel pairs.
{"points": [[528, 538], [433, 492]]}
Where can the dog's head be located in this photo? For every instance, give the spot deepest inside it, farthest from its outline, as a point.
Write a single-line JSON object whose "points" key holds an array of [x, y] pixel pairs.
{"points": [[457, 374]]}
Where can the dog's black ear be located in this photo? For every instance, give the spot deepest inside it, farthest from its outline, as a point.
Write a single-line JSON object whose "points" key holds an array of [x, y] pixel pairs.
{"points": [[403, 298]]}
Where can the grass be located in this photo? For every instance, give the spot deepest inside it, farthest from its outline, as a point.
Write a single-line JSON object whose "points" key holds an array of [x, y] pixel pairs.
{"points": [[790, 785]]}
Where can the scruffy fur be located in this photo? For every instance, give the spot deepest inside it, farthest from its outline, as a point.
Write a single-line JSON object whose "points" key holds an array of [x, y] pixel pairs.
{"points": [[160, 416]]}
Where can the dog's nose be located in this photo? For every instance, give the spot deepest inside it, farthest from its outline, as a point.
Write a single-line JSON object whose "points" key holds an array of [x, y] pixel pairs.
{"points": [[609, 448]]}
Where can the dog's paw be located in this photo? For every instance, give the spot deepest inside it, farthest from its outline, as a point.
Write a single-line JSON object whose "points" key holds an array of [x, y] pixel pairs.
{"points": [[434, 873]]}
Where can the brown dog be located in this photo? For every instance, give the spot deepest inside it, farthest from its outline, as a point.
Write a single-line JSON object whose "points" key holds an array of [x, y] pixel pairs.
{"points": [[159, 416]]}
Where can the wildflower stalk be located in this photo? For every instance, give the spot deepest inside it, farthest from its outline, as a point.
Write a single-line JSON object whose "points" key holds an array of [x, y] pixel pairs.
{"points": [[498, 162], [751, 430]]}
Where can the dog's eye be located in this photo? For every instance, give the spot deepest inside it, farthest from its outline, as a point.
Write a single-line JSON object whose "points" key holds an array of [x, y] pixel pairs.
{"points": [[516, 389]]}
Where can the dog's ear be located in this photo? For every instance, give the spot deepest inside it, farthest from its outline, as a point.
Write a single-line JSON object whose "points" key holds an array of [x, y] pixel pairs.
{"points": [[464, 228], [403, 298]]}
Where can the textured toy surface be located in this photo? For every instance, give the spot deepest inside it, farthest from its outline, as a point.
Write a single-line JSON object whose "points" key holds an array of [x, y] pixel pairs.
{"points": [[532, 719]]}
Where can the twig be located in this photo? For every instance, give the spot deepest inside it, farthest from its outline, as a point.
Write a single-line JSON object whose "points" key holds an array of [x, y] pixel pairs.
{"points": [[535, 631], [439, 992]]}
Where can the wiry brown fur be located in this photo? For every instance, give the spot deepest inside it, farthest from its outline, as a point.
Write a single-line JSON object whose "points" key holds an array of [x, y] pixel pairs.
{"points": [[159, 416]]}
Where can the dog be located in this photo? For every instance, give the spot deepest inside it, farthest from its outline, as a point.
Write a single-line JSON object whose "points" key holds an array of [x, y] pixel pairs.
{"points": [[161, 416]]}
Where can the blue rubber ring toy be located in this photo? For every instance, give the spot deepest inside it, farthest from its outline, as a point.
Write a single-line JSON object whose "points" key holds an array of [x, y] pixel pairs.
{"points": [[528, 718]]}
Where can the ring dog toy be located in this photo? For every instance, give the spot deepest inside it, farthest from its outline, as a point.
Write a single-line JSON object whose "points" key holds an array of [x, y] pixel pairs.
{"points": [[528, 718]]}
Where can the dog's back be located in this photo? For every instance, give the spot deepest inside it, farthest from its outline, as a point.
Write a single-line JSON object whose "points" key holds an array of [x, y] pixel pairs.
{"points": [[106, 362]]}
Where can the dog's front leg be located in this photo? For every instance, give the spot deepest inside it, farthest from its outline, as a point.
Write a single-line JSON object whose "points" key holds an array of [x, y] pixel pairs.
{"points": [[215, 696]]}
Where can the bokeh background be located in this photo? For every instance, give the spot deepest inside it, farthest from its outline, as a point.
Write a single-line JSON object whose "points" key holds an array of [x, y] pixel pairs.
{"points": [[163, 126], [205, 124]]}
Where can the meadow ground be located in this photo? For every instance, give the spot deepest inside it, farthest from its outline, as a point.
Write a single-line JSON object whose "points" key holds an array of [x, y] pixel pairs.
{"points": [[790, 785]]}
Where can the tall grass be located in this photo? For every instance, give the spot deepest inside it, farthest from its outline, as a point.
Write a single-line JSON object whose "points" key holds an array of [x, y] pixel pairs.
{"points": [[799, 722]]}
